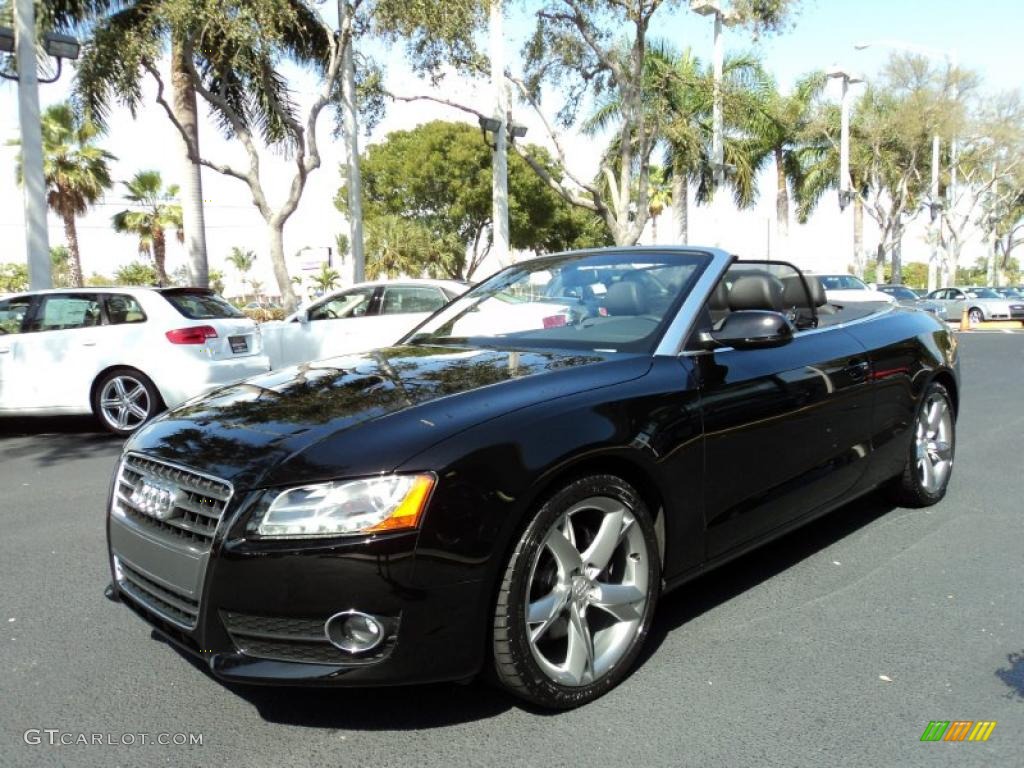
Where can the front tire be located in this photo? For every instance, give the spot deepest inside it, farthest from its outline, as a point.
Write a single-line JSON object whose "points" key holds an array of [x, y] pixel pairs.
{"points": [[124, 399], [929, 464], [975, 316], [578, 595]]}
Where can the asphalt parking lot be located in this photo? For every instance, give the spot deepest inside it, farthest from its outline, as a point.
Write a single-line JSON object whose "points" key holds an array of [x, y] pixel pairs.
{"points": [[835, 645]]}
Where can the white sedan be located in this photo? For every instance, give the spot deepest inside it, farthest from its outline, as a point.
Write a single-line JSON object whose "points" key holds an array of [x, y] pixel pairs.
{"points": [[363, 317], [846, 289], [123, 354]]}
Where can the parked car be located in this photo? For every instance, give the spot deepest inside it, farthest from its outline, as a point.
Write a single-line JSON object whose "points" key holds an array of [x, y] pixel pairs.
{"points": [[1009, 293], [981, 304], [362, 317], [843, 289], [490, 495], [906, 297], [120, 353]]}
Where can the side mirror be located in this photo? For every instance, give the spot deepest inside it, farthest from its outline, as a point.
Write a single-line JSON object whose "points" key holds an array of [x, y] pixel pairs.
{"points": [[753, 329]]}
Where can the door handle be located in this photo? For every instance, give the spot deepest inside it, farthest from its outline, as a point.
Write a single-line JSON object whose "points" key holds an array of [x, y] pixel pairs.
{"points": [[858, 369], [88, 343]]}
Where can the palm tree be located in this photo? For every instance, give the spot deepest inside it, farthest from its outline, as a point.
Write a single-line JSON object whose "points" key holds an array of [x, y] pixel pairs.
{"points": [[155, 214], [326, 279], [129, 37], [242, 261], [678, 93], [777, 126], [76, 172], [658, 194]]}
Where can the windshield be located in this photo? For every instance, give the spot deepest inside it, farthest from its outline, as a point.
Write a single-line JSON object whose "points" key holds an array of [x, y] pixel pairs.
{"points": [[983, 293], [599, 301], [201, 306], [842, 283], [898, 292]]}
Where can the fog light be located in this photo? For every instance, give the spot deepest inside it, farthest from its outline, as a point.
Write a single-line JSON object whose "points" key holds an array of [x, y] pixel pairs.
{"points": [[354, 632]]}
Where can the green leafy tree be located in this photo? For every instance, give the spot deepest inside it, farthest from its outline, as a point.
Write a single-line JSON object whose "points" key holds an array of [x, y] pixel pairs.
{"points": [[153, 215], [76, 172], [217, 281], [13, 278], [427, 191], [242, 261], [96, 279], [326, 279], [136, 273], [60, 272]]}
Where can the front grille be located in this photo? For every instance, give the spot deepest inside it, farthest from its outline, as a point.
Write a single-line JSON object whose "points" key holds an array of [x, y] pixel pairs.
{"points": [[173, 502], [287, 639], [164, 518], [179, 608]]}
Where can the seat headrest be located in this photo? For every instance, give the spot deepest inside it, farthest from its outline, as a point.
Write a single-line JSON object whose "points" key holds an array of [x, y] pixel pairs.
{"points": [[625, 299], [719, 300], [756, 292], [795, 295]]}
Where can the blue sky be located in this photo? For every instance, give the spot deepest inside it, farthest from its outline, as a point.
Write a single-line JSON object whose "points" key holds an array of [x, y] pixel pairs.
{"points": [[985, 37]]}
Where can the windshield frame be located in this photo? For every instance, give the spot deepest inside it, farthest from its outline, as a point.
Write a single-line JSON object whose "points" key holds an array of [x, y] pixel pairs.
{"points": [[699, 257]]}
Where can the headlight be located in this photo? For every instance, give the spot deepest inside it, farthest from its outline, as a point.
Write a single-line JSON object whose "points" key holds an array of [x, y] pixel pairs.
{"points": [[389, 503]]}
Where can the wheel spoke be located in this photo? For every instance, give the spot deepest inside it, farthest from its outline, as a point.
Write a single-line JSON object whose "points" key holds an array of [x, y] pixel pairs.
{"points": [[606, 541], [137, 393], [545, 611], [109, 402], [565, 554], [579, 659], [119, 387], [142, 413], [122, 417], [942, 451], [934, 416], [618, 599], [927, 473]]}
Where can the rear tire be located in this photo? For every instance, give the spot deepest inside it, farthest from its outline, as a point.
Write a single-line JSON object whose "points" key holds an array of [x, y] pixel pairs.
{"points": [[578, 595], [124, 399], [975, 315], [930, 455]]}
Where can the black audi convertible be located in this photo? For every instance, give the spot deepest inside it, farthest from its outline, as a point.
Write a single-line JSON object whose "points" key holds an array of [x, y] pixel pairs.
{"points": [[511, 487]]}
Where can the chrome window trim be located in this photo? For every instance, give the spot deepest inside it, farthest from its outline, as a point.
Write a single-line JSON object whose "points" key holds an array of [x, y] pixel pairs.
{"points": [[682, 324]]}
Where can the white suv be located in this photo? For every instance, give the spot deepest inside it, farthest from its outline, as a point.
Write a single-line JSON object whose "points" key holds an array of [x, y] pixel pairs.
{"points": [[123, 354]]}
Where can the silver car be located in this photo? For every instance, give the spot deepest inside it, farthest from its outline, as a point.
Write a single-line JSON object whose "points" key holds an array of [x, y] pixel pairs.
{"points": [[905, 297], [980, 303]]}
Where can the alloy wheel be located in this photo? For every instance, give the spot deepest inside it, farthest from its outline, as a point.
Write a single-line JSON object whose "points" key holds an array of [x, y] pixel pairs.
{"points": [[125, 402], [587, 591], [934, 443]]}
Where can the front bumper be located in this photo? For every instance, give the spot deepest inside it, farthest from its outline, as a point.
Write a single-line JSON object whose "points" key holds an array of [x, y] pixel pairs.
{"points": [[281, 593]]}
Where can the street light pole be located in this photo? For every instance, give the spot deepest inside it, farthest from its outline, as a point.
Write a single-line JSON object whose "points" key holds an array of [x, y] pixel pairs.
{"points": [[721, 18], [37, 244], [845, 193], [499, 155], [355, 183], [934, 221]]}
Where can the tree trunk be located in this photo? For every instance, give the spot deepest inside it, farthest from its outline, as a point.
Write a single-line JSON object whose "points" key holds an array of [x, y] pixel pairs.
{"points": [[159, 256], [75, 261], [284, 282], [654, 230], [880, 262], [681, 205], [781, 194], [897, 255], [192, 190], [858, 236]]}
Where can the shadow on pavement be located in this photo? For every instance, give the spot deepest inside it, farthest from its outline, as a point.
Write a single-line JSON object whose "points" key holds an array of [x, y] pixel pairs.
{"points": [[1013, 674], [55, 439], [746, 572]]}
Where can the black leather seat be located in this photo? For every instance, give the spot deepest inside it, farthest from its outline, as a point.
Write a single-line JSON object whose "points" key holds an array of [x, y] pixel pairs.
{"points": [[801, 297], [626, 298], [756, 292]]}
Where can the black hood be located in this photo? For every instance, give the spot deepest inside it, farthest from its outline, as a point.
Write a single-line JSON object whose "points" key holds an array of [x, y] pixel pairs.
{"points": [[363, 414]]}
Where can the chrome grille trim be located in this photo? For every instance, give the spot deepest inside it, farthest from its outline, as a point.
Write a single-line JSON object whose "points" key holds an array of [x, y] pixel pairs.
{"points": [[197, 503]]}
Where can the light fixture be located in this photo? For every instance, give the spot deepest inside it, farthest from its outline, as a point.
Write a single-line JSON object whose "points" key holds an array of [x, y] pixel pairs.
{"points": [[516, 131], [6, 40], [489, 124], [61, 46]]}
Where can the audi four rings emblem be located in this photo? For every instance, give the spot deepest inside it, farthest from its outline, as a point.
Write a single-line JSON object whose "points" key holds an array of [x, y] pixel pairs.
{"points": [[154, 499]]}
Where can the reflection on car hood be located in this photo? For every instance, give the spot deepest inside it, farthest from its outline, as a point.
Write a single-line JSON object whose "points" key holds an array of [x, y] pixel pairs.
{"points": [[367, 413]]}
